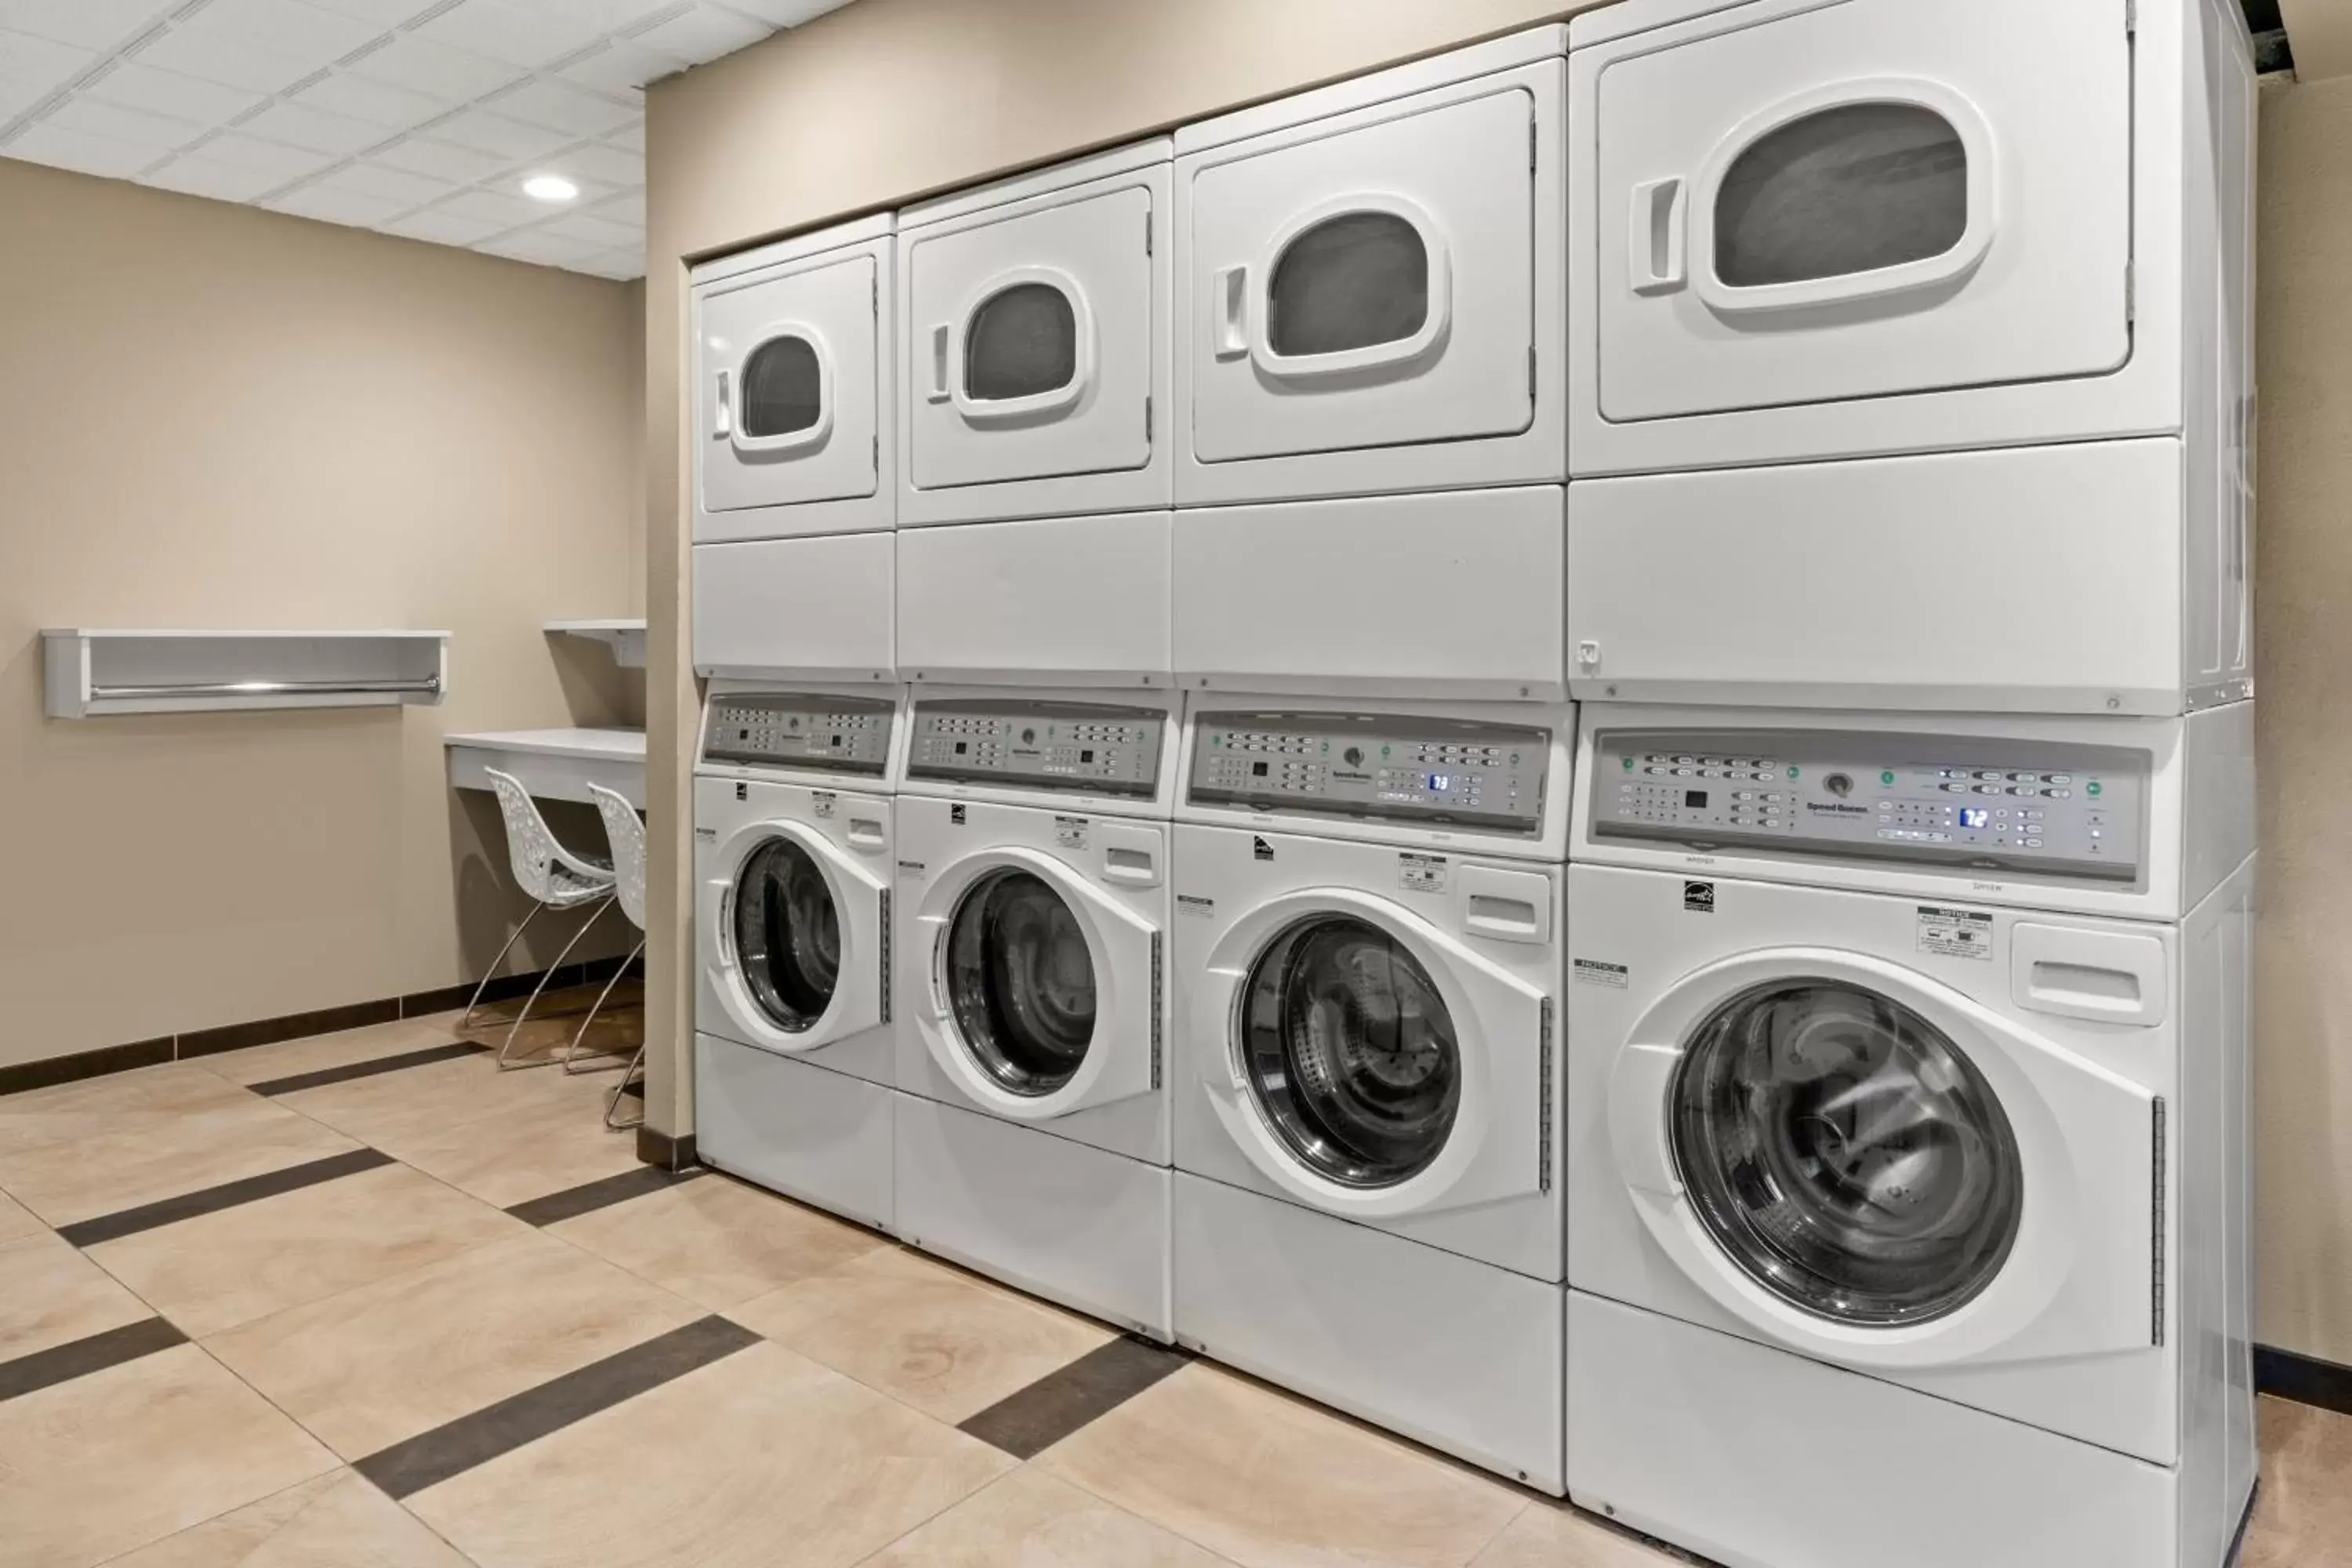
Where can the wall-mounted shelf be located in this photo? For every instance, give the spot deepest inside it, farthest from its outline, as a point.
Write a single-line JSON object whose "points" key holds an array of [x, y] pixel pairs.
{"points": [[89, 672], [627, 639]]}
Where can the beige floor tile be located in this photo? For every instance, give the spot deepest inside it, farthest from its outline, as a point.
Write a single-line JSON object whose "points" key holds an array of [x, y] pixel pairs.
{"points": [[16, 1220], [259, 1064], [942, 1340], [1030, 1520], [336, 1520], [119, 1102], [540, 1150], [371, 1366], [50, 1294], [163, 1158], [717, 1241], [393, 1108], [221, 1270], [1554, 1535], [105, 1463], [1273, 1482], [764, 1460], [2304, 1517]]}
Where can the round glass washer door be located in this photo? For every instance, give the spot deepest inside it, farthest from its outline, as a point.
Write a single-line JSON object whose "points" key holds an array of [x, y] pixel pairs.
{"points": [[1349, 1052], [1020, 982], [1844, 1154], [787, 934]]}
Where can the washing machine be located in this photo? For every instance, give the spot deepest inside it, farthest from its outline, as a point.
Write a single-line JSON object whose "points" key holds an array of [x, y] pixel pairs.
{"points": [[1032, 918], [1907, 1144], [793, 458], [793, 1050], [1918, 338], [1369, 978], [1370, 282]]}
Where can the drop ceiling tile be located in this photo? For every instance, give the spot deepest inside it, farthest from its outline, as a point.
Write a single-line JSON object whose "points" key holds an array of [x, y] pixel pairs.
{"points": [[608, 167], [628, 207], [210, 177], [269, 157], [621, 265], [603, 232], [421, 65], [556, 107], [786, 13], [527, 39], [441, 227], [226, 60], [370, 179], [508, 138], [633, 137], [500, 207], [63, 149], [135, 86], [36, 64], [95, 117], [299, 125], [439, 160], [605, 16], [331, 206], [16, 97], [376, 102], [283, 26], [702, 34], [540, 246], [90, 24], [384, 14], [622, 68]]}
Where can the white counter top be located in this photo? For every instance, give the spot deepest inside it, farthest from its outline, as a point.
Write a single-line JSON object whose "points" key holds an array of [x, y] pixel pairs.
{"points": [[554, 764]]}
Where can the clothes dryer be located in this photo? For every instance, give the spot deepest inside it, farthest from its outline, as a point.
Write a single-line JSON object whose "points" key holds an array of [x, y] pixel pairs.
{"points": [[1032, 921], [1906, 1145], [793, 857], [1369, 977]]}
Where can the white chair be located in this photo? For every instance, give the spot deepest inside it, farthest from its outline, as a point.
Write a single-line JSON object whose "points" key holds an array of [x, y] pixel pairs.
{"points": [[555, 879], [626, 832]]}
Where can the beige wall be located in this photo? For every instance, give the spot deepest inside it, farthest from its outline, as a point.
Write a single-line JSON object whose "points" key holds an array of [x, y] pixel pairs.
{"points": [[212, 416], [866, 107], [2302, 1065]]}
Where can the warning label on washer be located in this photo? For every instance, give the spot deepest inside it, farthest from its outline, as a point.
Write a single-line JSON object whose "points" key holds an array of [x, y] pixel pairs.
{"points": [[1592, 972], [1070, 832], [824, 801], [1186, 904], [1421, 873], [1956, 933]]}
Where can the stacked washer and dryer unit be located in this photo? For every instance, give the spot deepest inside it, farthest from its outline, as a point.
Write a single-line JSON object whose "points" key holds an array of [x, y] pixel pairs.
{"points": [[1913, 846], [1808, 1086]]}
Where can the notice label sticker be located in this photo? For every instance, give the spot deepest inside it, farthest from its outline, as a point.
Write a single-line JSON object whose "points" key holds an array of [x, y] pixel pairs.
{"points": [[1070, 832], [1956, 933], [824, 801], [1421, 873], [1200, 909], [1592, 972]]}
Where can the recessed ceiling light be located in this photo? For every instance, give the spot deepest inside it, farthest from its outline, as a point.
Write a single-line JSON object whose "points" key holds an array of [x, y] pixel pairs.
{"points": [[549, 189]]}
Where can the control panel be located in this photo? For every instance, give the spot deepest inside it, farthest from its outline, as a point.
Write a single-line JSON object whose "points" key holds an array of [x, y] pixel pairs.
{"points": [[2038, 807], [799, 730], [1041, 745], [1373, 764]]}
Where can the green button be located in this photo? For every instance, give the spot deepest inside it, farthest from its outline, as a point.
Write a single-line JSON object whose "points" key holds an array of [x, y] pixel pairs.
{"points": [[1384, 751], [1886, 776], [2092, 788], [1327, 747], [1629, 762], [1792, 772], [1216, 740]]}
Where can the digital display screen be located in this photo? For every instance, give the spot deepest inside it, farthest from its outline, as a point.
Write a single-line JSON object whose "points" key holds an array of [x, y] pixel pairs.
{"points": [[1694, 798], [1975, 817], [1257, 770], [1441, 782]]}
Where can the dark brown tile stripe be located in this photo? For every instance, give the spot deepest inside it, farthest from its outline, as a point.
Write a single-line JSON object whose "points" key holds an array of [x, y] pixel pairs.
{"points": [[2306, 1379], [227, 1196], [79, 1358], [368, 1068], [74, 1066], [594, 1196], [1036, 1417], [449, 1450], [289, 1027]]}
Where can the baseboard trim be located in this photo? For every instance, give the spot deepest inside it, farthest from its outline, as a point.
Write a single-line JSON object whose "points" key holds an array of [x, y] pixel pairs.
{"points": [[74, 1065], [2306, 1379], [665, 1153]]}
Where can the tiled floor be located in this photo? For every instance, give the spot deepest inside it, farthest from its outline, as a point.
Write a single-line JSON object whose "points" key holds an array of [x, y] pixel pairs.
{"points": [[363, 1300]]}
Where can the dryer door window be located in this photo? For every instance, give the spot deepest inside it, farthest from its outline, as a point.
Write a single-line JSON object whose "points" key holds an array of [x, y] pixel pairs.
{"points": [[1023, 342], [1349, 1052], [783, 387], [1851, 189], [1020, 982], [1844, 1154], [787, 934], [1349, 282]]}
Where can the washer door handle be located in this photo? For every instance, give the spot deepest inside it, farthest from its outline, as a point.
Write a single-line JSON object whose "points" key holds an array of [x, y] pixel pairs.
{"points": [[1638, 1085]]}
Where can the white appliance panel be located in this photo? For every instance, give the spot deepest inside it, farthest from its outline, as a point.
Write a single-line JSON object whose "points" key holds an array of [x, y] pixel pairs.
{"points": [[816, 607], [1066, 601], [821, 1136]]}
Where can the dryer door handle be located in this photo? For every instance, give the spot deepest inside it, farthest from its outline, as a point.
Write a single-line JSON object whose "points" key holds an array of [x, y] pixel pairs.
{"points": [[1229, 304], [1638, 1085]]}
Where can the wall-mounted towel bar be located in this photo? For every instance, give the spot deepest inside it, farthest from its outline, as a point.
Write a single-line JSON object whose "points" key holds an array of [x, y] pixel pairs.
{"points": [[94, 672]]}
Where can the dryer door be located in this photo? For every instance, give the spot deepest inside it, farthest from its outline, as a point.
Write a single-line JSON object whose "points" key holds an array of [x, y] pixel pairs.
{"points": [[1860, 198], [795, 930], [1042, 997], [1876, 1170], [785, 395], [1373, 1066]]}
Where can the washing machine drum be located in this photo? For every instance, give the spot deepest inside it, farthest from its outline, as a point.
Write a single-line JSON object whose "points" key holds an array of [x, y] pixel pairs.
{"points": [[1349, 1052], [1020, 982], [787, 934], [1845, 1154]]}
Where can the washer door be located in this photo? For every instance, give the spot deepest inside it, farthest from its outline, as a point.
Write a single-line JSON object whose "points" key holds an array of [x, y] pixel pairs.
{"points": [[1874, 1169], [1373, 1066], [1044, 991], [797, 956]]}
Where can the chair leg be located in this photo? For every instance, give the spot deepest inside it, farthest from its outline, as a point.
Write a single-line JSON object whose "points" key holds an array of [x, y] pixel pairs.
{"points": [[516, 1028], [476, 999], [581, 1033], [613, 1101]]}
